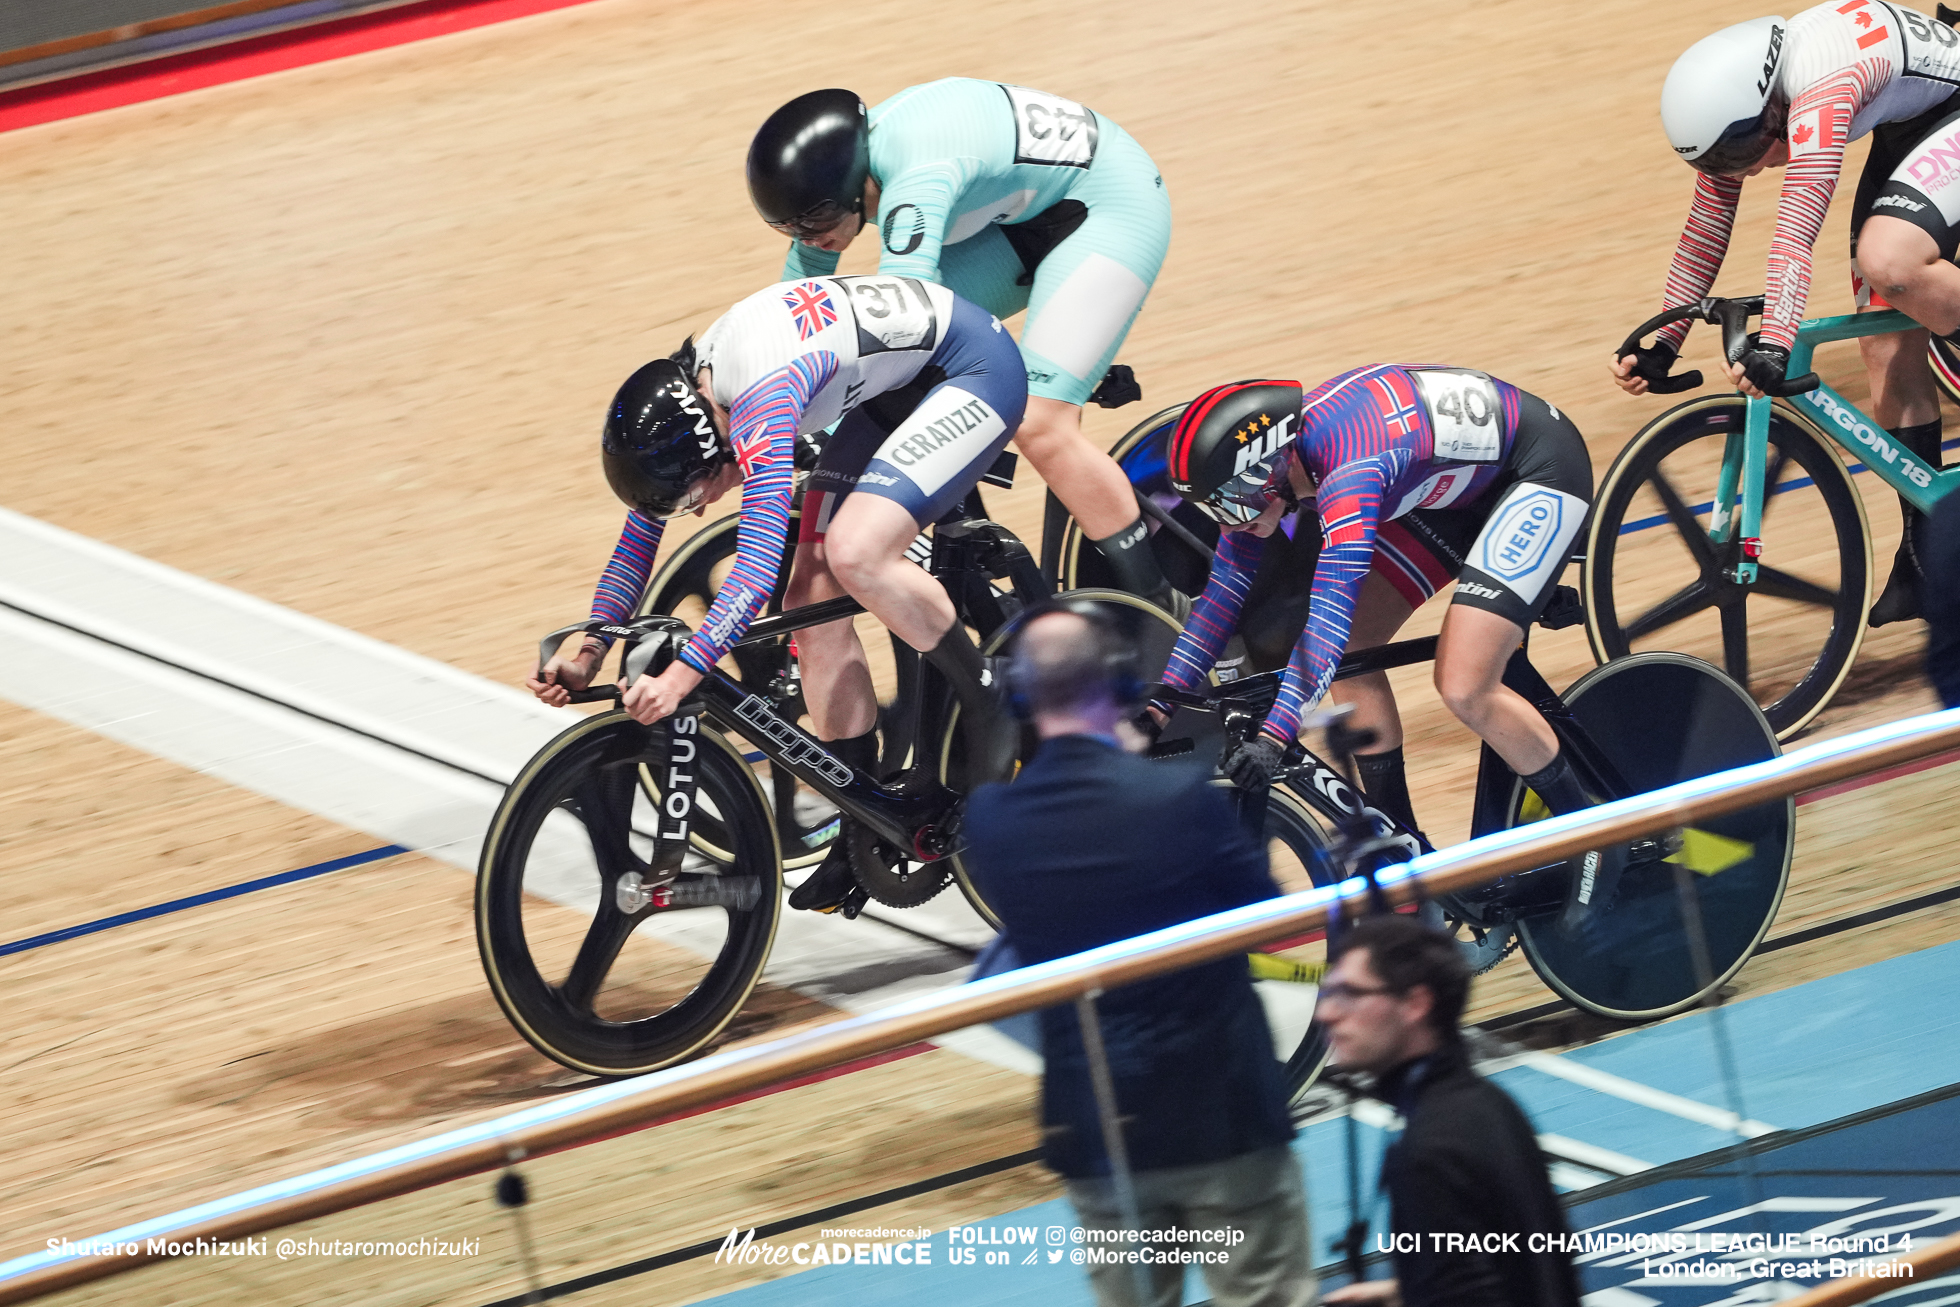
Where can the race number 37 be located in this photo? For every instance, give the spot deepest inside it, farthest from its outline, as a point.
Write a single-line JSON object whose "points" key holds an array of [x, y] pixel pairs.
{"points": [[1051, 130], [892, 313], [1464, 413]]}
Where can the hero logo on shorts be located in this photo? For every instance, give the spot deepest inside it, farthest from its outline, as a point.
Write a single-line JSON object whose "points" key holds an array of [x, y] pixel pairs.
{"points": [[810, 308], [1523, 533]]}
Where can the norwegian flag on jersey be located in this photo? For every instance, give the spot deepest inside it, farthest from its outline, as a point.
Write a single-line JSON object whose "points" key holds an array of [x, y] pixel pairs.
{"points": [[810, 308], [1398, 407]]}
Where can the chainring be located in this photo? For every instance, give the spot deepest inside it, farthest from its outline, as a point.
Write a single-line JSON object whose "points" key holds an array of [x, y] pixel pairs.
{"points": [[893, 879]]}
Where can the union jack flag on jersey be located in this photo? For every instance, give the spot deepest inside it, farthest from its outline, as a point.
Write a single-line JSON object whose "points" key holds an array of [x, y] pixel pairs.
{"points": [[809, 306]]}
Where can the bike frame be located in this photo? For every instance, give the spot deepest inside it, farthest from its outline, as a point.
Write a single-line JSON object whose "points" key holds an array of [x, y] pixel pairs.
{"points": [[1324, 789], [1745, 459]]}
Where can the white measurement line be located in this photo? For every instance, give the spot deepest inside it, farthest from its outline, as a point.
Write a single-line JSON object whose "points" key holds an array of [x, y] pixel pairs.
{"points": [[1633, 1091]]}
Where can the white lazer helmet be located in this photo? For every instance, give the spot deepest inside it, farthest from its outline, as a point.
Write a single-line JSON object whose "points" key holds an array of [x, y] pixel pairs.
{"points": [[1720, 105]]}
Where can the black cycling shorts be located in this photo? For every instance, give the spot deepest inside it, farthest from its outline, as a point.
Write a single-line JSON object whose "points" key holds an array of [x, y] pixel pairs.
{"points": [[1507, 548], [1911, 174]]}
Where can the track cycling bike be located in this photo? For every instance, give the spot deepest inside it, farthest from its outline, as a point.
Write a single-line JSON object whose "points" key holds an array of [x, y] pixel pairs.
{"points": [[1677, 554], [1682, 913], [630, 885]]}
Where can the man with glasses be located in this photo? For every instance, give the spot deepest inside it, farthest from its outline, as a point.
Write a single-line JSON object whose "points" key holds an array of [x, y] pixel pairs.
{"points": [[1015, 199], [1465, 1177], [1413, 476]]}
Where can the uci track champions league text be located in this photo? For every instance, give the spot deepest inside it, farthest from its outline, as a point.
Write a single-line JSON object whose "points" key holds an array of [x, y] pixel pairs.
{"points": [[986, 1245]]}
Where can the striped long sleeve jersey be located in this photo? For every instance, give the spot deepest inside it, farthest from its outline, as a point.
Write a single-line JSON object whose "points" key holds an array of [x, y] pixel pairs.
{"points": [[1848, 66], [1367, 439], [790, 359], [762, 427]]}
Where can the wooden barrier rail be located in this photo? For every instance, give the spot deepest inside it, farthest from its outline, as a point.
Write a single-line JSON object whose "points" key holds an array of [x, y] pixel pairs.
{"points": [[611, 1109]]}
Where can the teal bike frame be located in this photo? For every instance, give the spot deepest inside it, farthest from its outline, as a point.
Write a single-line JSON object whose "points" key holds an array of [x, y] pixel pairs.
{"points": [[1746, 457]]}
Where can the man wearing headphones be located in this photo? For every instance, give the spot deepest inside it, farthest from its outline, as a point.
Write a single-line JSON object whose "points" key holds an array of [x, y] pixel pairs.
{"points": [[1089, 845]]}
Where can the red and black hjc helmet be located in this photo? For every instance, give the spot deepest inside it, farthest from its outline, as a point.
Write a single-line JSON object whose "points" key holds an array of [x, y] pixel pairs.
{"points": [[1229, 446]]}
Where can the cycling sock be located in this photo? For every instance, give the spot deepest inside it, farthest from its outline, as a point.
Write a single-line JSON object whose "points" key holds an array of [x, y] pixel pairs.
{"points": [[1135, 563], [1899, 601], [981, 720], [859, 752], [1385, 782], [1558, 787]]}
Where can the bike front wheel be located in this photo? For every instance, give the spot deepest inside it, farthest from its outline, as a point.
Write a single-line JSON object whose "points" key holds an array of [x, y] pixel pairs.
{"points": [[1655, 579], [593, 973], [1688, 909], [1288, 973]]}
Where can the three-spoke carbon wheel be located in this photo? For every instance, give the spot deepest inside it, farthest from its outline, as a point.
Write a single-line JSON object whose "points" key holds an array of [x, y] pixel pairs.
{"points": [[1946, 365], [1663, 718], [595, 969], [684, 587], [1655, 579]]}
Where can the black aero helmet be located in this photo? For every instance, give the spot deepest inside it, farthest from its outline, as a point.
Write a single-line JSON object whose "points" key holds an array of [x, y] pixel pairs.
{"points": [[808, 163], [1228, 448], [659, 445]]}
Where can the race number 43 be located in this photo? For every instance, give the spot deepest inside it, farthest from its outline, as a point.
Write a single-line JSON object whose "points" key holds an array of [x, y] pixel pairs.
{"points": [[1464, 413], [1051, 130]]}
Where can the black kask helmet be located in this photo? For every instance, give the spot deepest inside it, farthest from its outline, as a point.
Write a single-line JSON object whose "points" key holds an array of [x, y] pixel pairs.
{"points": [[659, 445]]}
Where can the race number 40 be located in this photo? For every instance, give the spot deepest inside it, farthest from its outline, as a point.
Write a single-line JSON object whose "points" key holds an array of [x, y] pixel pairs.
{"points": [[1464, 413]]}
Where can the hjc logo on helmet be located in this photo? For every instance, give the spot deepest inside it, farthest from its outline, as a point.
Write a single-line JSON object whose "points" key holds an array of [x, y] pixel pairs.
{"points": [[1258, 451]]}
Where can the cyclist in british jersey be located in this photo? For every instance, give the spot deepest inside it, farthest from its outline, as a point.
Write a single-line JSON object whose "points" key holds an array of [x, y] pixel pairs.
{"points": [[928, 388], [1016, 199], [1418, 475], [1766, 94]]}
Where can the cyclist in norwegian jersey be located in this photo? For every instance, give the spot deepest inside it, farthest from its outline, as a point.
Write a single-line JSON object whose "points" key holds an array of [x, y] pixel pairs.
{"points": [[1016, 199], [1418, 475], [1765, 94], [925, 389]]}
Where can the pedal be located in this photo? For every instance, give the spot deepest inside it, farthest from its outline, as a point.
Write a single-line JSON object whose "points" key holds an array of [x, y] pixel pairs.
{"points": [[1565, 609]]}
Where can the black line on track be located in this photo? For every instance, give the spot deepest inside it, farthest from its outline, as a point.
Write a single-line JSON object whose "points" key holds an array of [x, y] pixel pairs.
{"points": [[708, 1246], [277, 702], [260, 695]]}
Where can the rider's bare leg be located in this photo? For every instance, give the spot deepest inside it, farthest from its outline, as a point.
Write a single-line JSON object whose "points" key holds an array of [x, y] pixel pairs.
{"points": [[1905, 398], [1470, 658], [1379, 612], [1094, 489], [1903, 264], [865, 547], [836, 678]]}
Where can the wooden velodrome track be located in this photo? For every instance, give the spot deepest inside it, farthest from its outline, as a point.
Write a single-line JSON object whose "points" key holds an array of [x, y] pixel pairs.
{"points": [[341, 337]]}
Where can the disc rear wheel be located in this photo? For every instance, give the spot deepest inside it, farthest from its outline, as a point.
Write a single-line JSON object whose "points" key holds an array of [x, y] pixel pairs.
{"points": [[1663, 718]]}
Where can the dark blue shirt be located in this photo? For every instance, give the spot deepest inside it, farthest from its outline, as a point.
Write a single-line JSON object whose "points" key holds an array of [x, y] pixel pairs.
{"points": [[1091, 845]]}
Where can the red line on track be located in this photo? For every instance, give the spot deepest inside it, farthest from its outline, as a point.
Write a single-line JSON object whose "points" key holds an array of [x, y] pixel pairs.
{"points": [[1877, 777], [112, 88]]}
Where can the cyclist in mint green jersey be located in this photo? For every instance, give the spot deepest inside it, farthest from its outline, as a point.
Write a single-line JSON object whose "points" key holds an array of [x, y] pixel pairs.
{"points": [[1016, 200]]}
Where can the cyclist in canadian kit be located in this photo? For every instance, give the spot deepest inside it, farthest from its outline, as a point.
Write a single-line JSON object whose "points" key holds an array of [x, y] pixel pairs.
{"points": [[925, 391], [1016, 199], [1418, 475], [1764, 94]]}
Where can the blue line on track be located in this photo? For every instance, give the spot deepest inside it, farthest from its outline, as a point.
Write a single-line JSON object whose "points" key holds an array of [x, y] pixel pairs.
{"points": [[198, 900], [1644, 523]]}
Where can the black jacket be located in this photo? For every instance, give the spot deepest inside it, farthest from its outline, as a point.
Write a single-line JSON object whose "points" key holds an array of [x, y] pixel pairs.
{"points": [[1468, 1163], [1091, 845]]}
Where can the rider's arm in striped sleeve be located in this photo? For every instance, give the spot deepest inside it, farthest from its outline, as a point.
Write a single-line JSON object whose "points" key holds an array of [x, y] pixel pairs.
{"points": [[1350, 501], [762, 425]]}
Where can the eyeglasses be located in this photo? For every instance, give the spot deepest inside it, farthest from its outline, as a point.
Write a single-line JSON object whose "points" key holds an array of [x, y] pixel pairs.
{"points": [[813, 221], [1340, 993]]}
